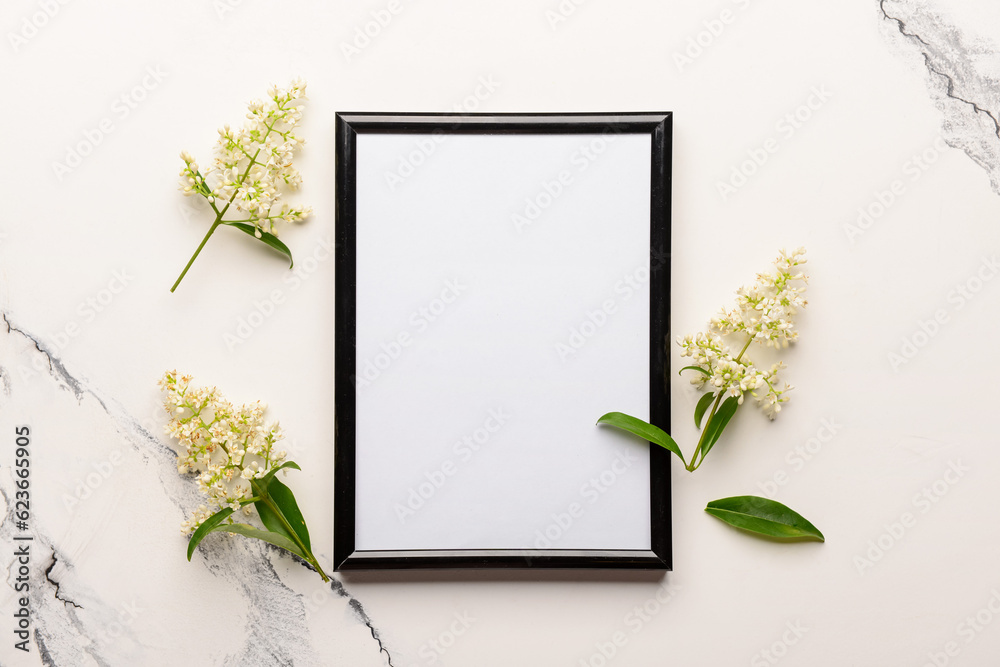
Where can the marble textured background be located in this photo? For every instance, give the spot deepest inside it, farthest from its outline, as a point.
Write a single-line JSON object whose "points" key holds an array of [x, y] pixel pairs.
{"points": [[887, 167]]}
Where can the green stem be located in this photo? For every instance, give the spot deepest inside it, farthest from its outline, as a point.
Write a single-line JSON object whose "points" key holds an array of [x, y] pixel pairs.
{"points": [[695, 462], [291, 531], [693, 465], [211, 230], [269, 217], [219, 214], [740, 355]]}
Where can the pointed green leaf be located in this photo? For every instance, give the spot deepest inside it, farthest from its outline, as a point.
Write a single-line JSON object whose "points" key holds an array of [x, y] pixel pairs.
{"points": [[287, 509], [703, 404], [266, 535], [643, 429], [694, 368], [287, 464], [767, 517], [717, 423], [206, 527], [270, 519], [269, 239]]}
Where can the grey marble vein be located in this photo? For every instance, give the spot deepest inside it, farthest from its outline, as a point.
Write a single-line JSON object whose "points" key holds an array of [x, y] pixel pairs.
{"points": [[48, 578], [59, 632], [959, 77], [275, 632], [4, 383], [56, 369], [362, 615]]}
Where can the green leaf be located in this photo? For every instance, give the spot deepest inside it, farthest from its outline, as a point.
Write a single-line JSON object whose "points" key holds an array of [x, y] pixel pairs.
{"points": [[286, 510], [767, 517], [269, 239], [703, 404], [287, 464], [694, 368], [283, 499], [269, 517], [207, 526], [273, 538], [717, 424], [643, 429]]}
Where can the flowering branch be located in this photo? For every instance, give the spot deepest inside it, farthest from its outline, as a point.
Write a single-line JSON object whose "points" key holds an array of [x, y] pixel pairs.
{"points": [[764, 313], [251, 164], [232, 451]]}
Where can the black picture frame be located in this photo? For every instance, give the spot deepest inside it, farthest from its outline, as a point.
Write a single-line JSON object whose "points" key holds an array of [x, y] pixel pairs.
{"points": [[352, 126]]}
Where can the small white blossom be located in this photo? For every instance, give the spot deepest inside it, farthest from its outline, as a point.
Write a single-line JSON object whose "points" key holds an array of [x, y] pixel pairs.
{"points": [[764, 313], [224, 446], [253, 161]]}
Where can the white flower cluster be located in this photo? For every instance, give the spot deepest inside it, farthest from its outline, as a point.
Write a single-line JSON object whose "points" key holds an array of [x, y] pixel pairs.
{"points": [[226, 446], [764, 313], [252, 163], [765, 310], [732, 375]]}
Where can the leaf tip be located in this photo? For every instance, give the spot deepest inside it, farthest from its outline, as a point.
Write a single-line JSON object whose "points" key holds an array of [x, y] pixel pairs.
{"points": [[605, 417]]}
